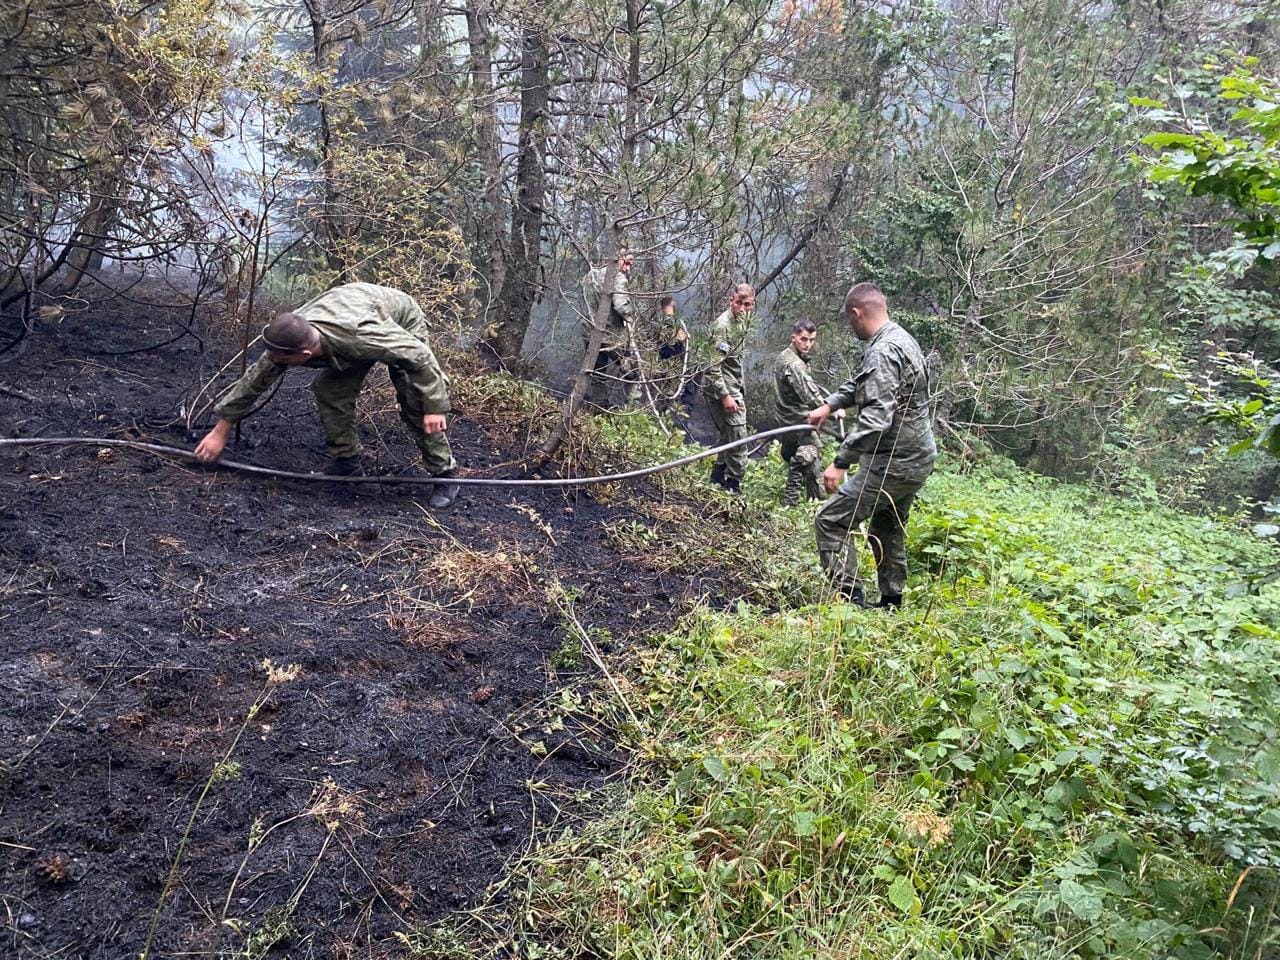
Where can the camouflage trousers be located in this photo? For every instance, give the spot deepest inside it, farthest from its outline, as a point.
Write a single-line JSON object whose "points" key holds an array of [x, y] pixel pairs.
{"points": [[336, 392], [612, 365], [731, 426], [802, 456], [870, 494]]}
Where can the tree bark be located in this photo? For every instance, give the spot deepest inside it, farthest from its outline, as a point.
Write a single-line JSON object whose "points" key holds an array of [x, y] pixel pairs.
{"points": [[90, 232], [624, 204], [488, 223], [322, 56], [505, 337]]}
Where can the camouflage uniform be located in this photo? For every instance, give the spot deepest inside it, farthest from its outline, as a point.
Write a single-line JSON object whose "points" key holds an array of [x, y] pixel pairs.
{"points": [[726, 343], [674, 382], [614, 358], [892, 443], [361, 324], [796, 395]]}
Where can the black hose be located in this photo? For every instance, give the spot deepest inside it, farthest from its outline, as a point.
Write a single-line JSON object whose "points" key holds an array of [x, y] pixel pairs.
{"points": [[463, 481]]}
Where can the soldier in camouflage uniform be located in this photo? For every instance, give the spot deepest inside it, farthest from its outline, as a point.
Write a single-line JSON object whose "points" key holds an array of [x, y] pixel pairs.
{"points": [[675, 335], [797, 394], [892, 443], [343, 333], [677, 386], [614, 361], [723, 385]]}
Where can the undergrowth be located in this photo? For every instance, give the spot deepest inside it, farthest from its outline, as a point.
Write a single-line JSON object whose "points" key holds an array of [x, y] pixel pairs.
{"points": [[1072, 753], [1065, 747]]}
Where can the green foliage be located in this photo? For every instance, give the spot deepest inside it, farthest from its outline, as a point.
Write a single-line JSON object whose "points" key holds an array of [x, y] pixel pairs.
{"points": [[1241, 167], [228, 770], [908, 234], [275, 928], [1236, 392], [1064, 748], [402, 240], [770, 568], [1208, 295], [434, 943]]}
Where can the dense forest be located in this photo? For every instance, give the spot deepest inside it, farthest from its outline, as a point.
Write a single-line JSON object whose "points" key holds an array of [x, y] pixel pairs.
{"points": [[252, 719], [1068, 199]]}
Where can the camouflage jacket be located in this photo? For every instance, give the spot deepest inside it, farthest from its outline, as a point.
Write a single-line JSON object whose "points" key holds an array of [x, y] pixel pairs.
{"points": [[890, 392], [722, 352], [617, 329], [359, 323], [794, 387]]}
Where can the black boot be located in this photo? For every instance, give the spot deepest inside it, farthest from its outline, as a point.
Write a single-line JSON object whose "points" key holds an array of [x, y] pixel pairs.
{"points": [[890, 601], [732, 485], [445, 492], [854, 596], [345, 467], [717, 474]]}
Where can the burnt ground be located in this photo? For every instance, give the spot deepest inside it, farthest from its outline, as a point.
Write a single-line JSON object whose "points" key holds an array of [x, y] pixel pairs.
{"points": [[387, 783]]}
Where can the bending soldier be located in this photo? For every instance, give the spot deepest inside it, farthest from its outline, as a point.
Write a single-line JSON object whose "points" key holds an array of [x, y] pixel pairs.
{"points": [[797, 394], [892, 443], [723, 386], [343, 333], [614, 361]]}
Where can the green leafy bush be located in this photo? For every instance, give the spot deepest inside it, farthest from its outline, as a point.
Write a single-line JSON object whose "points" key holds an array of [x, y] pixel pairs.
{"points": [[1066, 747]]}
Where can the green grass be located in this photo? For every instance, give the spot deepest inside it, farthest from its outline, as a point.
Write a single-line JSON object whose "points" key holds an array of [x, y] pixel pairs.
{"points": [[1065, 747]]}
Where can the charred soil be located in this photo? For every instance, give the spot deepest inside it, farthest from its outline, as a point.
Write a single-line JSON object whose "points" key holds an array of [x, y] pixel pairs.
{"points": [[383, 783]]}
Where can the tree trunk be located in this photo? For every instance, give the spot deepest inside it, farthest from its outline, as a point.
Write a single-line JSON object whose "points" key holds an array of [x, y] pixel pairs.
{"points": [[90, 233], [488, 224], [624, 206], [587, 368], [322, 53], [505, 336]]}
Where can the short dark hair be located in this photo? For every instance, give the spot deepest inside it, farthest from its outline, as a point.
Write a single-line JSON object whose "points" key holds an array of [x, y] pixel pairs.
{"points": [[804, 326], [289, 333], [667, 301], [862, 294]]}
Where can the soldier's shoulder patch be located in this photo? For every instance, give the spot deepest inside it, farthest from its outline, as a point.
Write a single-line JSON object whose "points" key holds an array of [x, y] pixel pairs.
{"points": [[723, 346]]}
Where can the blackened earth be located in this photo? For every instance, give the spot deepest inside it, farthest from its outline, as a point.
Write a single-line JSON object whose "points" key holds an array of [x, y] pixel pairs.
{"points": [[390, 781]]}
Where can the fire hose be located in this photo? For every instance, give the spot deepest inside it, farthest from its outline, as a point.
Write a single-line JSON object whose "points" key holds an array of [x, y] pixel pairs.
{"points": [[187, 455]]}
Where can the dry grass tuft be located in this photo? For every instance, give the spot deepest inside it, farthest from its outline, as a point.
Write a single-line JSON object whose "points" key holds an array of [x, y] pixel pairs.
{"points": [[453, 577], [54, 868], [423, 633], [168, 545], [484, 573], [335, 807], [926, 825]]}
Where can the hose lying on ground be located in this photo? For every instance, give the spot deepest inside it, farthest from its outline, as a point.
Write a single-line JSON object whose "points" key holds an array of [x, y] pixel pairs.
{"points": [[172, 452]]}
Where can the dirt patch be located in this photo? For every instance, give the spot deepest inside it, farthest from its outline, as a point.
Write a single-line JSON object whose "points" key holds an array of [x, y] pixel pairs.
{"points": [[385, 783]]}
